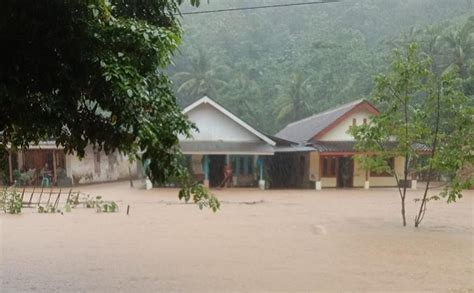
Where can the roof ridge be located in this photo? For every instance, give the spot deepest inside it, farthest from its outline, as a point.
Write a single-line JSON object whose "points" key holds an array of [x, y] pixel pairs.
{"points": [[325, 112]]}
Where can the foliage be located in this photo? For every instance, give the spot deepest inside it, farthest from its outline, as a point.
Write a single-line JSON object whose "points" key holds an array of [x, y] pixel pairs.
{"points": [[199, 194], [92, 72], [339, 48], [48, 209], [396, 131], [100, 205], [94, 79], [10, 201], [419, 108], [202, 78], [292, 103]]}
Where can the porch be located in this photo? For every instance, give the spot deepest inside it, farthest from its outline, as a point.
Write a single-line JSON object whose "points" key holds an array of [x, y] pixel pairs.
{"points": [[44, 165], [207, 161]]}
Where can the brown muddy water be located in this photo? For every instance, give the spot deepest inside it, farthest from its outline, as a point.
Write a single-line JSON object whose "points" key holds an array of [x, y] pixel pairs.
{"points": [[284, 240]]}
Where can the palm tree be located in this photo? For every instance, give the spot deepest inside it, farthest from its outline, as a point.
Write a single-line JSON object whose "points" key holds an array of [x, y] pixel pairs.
{"points": [[202, 77], [461, 46], [292, 104], [431, 45]]}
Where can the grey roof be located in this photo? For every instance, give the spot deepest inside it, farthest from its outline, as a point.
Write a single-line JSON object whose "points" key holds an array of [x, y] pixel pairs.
{"points": [[334, 146], [294, 149], [305, 129], [194, 147]]}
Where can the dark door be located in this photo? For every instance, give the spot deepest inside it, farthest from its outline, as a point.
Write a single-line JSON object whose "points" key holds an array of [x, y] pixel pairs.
{"points": [[216, 170], [345, 172]]}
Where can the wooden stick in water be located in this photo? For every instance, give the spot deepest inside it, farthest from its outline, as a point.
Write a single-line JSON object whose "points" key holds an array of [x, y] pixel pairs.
{"points": [[50, 193], [41, 194], [31, 196], [56, 202]]}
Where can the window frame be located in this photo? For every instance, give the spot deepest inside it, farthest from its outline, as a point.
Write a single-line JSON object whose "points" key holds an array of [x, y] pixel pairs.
{"points": [[329, 170]]}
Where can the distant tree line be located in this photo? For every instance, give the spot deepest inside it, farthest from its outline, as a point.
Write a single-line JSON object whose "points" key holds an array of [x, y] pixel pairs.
{"points": [[272, 67]]}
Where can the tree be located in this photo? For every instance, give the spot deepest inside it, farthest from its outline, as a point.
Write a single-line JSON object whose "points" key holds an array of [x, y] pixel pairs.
{"points": [[90, 72], [202, 77], [448, 130], [394, 132], [460, 44], [292, 102], [413, 100]]}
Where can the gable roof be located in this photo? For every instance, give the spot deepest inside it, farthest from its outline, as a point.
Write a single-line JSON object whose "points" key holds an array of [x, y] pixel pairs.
{"points": [[317, 125], [209, 101]]}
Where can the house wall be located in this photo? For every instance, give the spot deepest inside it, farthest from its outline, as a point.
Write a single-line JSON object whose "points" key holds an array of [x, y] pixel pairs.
{"points": [[359, 174], [314, 171], [214, 125], [313, 166], [377, 181], [339, 133], [99, 168], [389, 180]]}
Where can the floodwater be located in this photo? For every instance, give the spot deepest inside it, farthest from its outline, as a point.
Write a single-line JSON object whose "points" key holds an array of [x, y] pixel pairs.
{"points": [[331, 240]]}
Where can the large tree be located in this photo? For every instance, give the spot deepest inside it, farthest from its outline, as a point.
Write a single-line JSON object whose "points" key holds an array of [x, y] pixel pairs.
{"points": [[92, 72], [421, 112]]}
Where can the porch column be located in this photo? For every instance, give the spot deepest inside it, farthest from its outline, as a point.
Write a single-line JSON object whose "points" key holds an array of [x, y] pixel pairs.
{"points": [[319, 184], [206, 170], [367, 182], [261, 166], [413, 176], [235, 178]]}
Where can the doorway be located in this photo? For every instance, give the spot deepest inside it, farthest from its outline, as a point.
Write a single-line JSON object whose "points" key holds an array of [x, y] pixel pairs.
{"points": [[216, 170], [345, 172]]}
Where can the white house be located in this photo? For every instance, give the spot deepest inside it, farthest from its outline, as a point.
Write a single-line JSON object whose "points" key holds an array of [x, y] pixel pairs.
{"points": [[223, 138]]}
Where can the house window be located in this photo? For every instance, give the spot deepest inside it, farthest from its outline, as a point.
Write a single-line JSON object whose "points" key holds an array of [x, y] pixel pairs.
{"points": [[329, 166], [390, 163], [365, 121], [354, 121]]}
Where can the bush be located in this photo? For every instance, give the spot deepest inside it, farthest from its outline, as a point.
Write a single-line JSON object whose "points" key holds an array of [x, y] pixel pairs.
{"points": [[10, 201]]}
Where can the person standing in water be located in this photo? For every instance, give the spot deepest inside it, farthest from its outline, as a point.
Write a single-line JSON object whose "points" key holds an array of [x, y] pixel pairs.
{"points": [[227, 175]]}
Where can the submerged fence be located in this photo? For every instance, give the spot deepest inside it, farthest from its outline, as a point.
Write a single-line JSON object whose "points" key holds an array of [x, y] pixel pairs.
{"points": [[34, 197]]}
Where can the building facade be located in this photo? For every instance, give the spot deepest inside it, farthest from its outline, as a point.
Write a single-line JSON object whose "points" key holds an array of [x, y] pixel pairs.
{"points": [[48, 164], [224, 139], [314, 152], [328, 160]]}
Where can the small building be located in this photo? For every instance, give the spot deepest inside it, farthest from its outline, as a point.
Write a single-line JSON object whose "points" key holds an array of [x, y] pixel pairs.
{"points": [[223, 138], [324, 150], [28, 167]]}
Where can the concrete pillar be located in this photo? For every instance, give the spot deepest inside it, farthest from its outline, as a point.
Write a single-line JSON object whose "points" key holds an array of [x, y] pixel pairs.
{"points": [[413, 176], [367, 182], [235, 178], [261, 177], [319, 185], [206, 170]]}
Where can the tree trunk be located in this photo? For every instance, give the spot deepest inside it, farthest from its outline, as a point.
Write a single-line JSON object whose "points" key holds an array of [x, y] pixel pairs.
{"points": [[421, 212]]}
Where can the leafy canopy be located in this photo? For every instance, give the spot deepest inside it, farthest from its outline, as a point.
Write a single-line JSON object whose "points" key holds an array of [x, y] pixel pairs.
{"points": [[91, 72]]}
